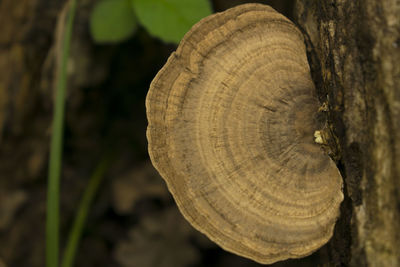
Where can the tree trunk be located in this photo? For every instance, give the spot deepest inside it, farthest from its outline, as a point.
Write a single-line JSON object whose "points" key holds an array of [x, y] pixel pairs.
{"points": [[354, 55], [27, 28]]}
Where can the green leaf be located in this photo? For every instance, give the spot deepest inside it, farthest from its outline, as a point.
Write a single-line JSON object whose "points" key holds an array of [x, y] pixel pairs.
{"points": [[112, 21], [170, 19]]}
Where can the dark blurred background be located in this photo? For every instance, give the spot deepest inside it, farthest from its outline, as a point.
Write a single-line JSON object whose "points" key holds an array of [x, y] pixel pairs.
{"points": [[134, 220]]}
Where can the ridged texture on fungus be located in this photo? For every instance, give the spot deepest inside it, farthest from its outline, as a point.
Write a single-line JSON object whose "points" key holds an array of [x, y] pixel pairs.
{"points": [[231, 124]]}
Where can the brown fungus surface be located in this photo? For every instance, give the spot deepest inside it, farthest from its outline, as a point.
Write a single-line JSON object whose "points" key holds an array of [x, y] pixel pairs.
{"points": [[231, 124]]}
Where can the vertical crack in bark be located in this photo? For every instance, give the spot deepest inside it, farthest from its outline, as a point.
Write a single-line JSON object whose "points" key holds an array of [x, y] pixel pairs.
{"points": [[356, 43]]}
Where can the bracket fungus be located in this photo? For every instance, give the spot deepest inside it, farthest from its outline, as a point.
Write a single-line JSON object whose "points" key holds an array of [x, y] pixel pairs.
{"points": [[231, 130]]}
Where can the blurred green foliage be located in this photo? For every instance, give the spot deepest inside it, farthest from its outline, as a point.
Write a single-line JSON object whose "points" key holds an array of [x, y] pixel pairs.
{"points": [[112, 21], [169, 20]]}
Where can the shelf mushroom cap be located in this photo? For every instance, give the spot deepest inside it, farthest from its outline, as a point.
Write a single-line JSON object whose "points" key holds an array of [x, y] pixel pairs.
{"points": [[231, 122]]}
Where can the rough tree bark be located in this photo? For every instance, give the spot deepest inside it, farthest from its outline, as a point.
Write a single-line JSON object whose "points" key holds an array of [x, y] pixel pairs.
{"points": [[27, 28], [354, 50]]}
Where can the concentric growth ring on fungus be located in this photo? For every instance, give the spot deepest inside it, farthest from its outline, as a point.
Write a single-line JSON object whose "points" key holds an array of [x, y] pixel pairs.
{"points": [[231, 123]]}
